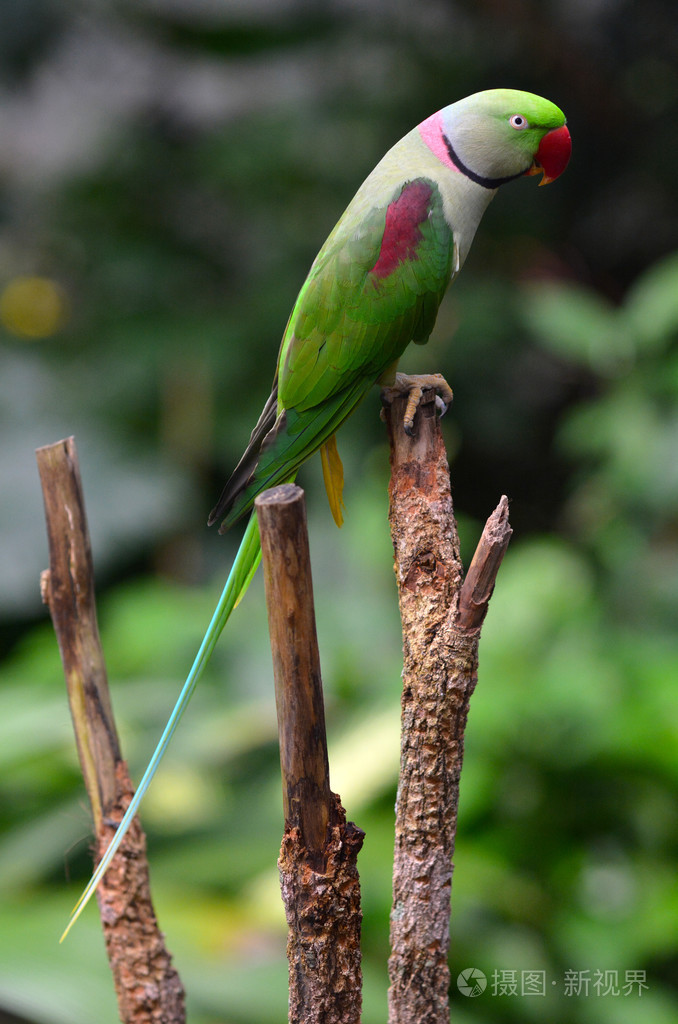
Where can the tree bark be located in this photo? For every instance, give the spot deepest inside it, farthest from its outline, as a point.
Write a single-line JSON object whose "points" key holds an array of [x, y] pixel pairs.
{"points": [[441, 618], [317, 864], [147, 986]]}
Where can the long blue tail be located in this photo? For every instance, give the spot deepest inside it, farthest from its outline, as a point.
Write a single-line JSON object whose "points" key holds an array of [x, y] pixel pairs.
{"points": [[244, 567]]}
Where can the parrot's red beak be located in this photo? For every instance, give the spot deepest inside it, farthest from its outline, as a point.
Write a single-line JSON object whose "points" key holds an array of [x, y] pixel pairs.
{"points": [[553, 155]]}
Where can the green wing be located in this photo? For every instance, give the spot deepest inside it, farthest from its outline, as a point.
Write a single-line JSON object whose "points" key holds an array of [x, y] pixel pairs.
{"points": [[375, 286]]}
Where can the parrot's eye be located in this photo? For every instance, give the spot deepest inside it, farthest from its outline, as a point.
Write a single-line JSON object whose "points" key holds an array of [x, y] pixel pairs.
{"points": [[518, 122]]}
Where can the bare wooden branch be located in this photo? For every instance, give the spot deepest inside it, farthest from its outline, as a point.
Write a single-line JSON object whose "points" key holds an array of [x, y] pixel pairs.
{"points": [[147, 986], [441, 617], [318, 873], [296, 664], [479, 583], [68, 590]]}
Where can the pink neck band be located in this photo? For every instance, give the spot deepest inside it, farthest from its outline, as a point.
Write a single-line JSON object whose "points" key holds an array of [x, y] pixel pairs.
{"points": [[431, 131]]}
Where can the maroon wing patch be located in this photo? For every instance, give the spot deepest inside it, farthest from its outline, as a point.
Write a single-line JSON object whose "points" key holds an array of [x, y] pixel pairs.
{"points": [[401, 231]]}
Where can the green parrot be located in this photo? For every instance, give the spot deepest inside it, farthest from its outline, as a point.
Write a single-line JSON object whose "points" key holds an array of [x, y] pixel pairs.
{"points": [[375, 285]]}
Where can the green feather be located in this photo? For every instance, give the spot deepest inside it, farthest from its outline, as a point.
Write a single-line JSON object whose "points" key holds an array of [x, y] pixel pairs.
{"points": [[345, 322], [239, 578]]}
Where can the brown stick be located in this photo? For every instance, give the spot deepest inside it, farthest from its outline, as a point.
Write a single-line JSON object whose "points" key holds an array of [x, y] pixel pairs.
{"points": [[479, 583], [318, 874], [441, 621], [148, 988]]}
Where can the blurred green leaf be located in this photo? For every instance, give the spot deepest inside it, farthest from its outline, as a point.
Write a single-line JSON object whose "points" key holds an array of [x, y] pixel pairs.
{"points": [[580, 326], [652, 305]]}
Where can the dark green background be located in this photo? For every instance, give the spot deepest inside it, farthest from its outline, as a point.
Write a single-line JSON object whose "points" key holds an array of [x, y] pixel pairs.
{"points": [[173, 167]]}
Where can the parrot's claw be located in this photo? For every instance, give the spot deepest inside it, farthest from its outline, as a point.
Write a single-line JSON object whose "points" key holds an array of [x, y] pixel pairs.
{"points": [[413, 386], [441, 406]]}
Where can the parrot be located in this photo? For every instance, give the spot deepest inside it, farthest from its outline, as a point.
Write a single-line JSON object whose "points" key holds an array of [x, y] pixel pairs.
{"points": [[375, 286]]}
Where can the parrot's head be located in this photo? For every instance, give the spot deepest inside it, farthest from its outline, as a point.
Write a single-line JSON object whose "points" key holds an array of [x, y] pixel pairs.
{"points": [[503, 133]]}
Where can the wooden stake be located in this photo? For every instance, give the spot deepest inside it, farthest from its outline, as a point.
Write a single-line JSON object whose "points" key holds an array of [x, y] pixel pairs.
{"points": [[148, 987], [441, 619], [318, 873]]}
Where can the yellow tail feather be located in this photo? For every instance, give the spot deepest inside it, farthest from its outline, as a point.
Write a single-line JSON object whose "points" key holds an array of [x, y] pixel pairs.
{"points": [[333, 475]]}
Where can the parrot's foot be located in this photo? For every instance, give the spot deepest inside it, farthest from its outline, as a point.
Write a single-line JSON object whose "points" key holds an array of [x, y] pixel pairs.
{"points": [[413, 385]]}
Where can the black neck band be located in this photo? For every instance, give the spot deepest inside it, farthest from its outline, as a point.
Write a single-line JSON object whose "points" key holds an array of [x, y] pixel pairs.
{"points": [[491, 183]]}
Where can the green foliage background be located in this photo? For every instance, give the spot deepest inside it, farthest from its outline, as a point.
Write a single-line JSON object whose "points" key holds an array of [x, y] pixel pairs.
{"points": [[172, 167]]}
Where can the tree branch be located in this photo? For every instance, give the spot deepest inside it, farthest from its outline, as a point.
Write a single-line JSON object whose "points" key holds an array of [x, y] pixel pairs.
{"points": [[148, 987], [441, 617], [318, 873]]}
